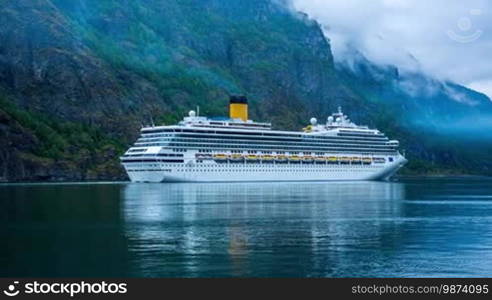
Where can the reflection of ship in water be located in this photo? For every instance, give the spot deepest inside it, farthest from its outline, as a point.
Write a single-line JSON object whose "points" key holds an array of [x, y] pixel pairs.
{"points": [[233, 201], [239, 229]]}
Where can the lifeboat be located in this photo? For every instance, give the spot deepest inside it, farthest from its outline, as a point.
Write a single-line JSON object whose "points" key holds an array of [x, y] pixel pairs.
{"points": [[294, 158], [280, 158], [366, 160], [236, 157], [308, 128], [332, 160], [320, 159], [251, 157], [307, 159], [345, 160], [379, 160], [220, 157], [356, 160], [268, 157]]}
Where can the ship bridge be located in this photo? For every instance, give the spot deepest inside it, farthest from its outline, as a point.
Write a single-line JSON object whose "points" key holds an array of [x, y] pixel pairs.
{"points": [[338, 123], [193, 120]]}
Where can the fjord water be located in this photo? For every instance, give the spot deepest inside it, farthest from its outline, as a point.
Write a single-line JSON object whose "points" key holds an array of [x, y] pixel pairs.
{"points": [[411, 228]]}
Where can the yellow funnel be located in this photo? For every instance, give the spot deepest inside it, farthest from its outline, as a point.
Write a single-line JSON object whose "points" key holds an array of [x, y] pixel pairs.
{"points": [[238, 108]]}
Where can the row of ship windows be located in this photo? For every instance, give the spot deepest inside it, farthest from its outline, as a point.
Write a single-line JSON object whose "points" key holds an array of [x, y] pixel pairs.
{"points": [[254, 152], [265, 152], [278, 152], [248, 135], [225, 139], [360, 135], [222, 140], [337, 138], [151, 170], [152, 155], [255, 161], [133, 161], [251, 170], [259, 146], [287, 149], [236, 163], [252, 133], [261, 168], [293, 163], [256, 134]]}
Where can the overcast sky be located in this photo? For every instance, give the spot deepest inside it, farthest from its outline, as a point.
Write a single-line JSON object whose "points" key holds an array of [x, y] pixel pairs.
{"points": [[449, 39]]}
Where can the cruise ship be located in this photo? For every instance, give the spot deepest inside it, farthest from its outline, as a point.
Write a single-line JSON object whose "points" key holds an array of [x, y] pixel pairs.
{"points": [[201, 149]]}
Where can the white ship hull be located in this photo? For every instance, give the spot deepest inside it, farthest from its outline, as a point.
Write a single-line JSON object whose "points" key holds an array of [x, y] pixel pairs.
{"points": [[232, 172]]}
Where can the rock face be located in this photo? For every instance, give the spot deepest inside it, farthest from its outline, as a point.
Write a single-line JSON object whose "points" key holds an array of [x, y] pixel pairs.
{"points": [[15, 143], [102, 68]]}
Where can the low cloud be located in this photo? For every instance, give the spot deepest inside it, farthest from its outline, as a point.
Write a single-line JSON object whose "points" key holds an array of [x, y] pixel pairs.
{"points": [[448, 39]]}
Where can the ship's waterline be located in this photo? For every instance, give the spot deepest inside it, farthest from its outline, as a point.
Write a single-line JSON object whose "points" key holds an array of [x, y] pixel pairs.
{"points": [[200, 149]]}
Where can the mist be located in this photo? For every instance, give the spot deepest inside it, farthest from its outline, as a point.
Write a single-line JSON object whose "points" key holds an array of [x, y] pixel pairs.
{"points": [[447, 39]]}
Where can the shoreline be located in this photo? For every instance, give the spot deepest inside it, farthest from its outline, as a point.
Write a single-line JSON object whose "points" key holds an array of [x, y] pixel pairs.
{"points": [[88, 182], [441, 176]]}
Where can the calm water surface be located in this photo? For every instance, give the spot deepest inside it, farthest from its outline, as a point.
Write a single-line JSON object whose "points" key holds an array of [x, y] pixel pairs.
{"points": [[411, 228]]}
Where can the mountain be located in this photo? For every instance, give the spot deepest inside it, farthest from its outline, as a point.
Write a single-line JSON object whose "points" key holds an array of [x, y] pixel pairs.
{"points": [[78, 79], [443, 126], [427, 101]]}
